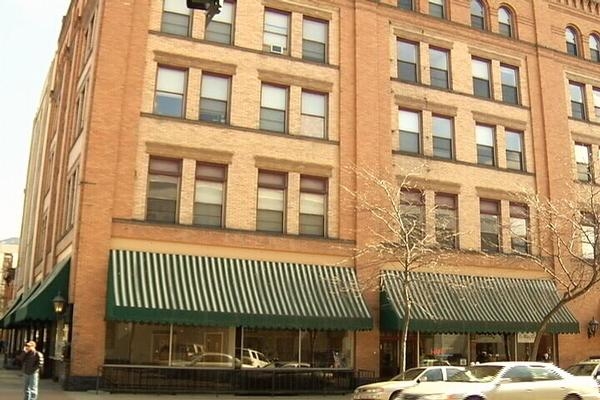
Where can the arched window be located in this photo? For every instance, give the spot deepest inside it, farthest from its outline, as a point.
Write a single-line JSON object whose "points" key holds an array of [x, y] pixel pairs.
{"points": [[505, 22], [477, 15], [594, 48], [571, 38]]}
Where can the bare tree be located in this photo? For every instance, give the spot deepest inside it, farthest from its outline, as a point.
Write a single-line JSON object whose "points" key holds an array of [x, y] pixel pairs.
{"points": [[399, 237], [566, 248]]}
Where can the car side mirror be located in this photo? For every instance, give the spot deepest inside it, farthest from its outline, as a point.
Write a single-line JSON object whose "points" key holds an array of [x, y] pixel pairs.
{"points": [[423, 379]]}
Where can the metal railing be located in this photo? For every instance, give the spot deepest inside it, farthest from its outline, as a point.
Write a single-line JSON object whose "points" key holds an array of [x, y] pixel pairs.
{"points": [[157, 379]]}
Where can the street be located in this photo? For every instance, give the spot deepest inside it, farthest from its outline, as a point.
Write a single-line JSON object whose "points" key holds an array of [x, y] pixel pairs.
{"points": [[11, 388]]}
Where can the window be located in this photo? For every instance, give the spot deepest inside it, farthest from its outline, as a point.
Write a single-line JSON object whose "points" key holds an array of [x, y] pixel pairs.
{"points": [[412, 215], [314, 40], [41, 236], [220, 28], [313, 205], [489, 216], [273, 108], [89, 35], [437, 8], [214, 98], [477, 15], [314, 114], [519, 228], [505, 22], [577, 100], [176, 18], [164, 179], [270, 211], [519, 374], [446, 220], [170, 92], [588, 236], [594, 48], [72, 188], [514, 150], [276, 32], [571, 38], [596, 95], [410, 131], [583, 157], [438, 68], [443, 133], [481, 78], [80, 112], [209, 198], [510, 84], [408, 61], [486, 149], [405, 4]]}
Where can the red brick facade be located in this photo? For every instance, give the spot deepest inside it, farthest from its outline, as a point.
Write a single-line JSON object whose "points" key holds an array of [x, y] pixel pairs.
{"points": [[118, 67]]}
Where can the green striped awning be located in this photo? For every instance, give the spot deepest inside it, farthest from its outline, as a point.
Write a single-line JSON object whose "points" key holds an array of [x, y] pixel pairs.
{"points": [[9, 314], [38, 306], [213, 291], [445, 303]]}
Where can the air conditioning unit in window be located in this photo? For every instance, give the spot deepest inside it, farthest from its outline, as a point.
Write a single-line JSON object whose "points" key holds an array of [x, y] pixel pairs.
{"points": [[275, 48]]}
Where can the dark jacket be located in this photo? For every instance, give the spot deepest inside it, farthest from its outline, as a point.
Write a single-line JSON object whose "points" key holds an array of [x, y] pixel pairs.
{"points": [[33, 361]]}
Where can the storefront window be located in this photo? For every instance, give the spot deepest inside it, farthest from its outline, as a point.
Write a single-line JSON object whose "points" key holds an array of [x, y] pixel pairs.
{"points": [[144, 344], [441, 349], [525, 347], [292, 348], [486, 348], [189, 346]]}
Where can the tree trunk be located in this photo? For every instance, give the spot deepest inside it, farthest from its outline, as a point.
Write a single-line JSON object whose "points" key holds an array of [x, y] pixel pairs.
{"points": [[405, 323]]}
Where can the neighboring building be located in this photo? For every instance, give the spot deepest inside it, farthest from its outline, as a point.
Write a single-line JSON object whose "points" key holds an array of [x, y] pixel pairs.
{"points": [[187, 182], [9, 255]]}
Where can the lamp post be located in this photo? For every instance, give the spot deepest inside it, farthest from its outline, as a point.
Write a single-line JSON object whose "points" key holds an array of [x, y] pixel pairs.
{"points": [[59, 304], [210, 6], [592, 327]]}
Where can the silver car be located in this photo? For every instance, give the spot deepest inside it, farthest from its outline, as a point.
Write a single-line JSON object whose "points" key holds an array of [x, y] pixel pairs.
{"points": [[508, 381], [392, 389]]}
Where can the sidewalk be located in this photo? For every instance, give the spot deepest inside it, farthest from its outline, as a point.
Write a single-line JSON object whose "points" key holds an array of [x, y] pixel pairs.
{"points": [[11, 388]]}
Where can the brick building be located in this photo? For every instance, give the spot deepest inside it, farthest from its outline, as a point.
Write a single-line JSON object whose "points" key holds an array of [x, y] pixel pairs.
{"points": [[192, 186]]}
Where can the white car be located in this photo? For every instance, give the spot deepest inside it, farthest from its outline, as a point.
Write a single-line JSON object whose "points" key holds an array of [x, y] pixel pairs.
{"points": [[508, 381], [215, 360], [253, 358], [392, 389], [586, 368]]}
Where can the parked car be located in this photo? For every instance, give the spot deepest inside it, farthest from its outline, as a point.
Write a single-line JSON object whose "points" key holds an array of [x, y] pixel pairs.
{"points": [[215, 360], [589, 367], [392, 389], [253, 358], [506, 381]]}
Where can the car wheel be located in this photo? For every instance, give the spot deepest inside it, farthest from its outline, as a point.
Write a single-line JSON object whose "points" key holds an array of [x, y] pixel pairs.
{"points": [[572, 397], [396, 396]]}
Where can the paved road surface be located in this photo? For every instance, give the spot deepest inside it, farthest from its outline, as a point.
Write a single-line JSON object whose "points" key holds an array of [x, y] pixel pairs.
{"points": [[11, 388]]}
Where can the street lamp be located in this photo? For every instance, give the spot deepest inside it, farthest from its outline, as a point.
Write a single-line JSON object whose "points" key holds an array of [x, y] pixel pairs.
{"points": [[592, 327], [210, 6], [59, 303]]}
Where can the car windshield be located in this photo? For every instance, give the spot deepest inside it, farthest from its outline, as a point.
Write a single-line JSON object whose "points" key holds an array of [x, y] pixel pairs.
{"points": [[262, 357], [409, 375], [477, 373], [581, 369]]}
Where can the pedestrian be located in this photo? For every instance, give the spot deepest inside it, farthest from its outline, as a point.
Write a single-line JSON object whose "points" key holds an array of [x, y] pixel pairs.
{"points": [[33, 361]]}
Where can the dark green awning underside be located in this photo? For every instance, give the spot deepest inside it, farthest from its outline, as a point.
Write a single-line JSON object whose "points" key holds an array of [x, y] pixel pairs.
{"points": [[446, 303], [38, 306], [213, 291]]}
